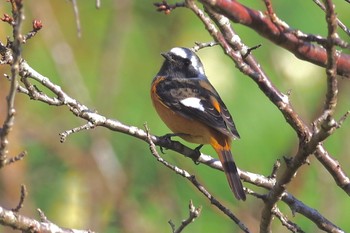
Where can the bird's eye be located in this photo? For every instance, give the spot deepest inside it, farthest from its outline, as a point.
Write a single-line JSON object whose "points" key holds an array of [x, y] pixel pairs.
{"points": [[187, 62]]}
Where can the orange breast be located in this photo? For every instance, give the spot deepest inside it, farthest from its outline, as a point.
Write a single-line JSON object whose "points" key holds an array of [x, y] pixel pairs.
{"points": [[194, 131]]}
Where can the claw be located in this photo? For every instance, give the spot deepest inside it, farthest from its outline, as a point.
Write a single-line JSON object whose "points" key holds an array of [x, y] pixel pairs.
{"points": [[167, 137], [198, 154]]}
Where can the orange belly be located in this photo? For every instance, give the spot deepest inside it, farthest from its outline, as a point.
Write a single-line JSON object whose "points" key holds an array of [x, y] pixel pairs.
{"points": [[193, 131]]}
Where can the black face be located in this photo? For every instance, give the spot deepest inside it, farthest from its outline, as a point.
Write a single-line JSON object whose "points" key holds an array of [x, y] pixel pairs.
{"points": [[181, 63]]}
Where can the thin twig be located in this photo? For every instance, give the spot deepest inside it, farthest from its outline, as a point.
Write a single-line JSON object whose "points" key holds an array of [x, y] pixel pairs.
{"points": [[271, 13], [16, 158], [77, 17], [37, 26], [275, 168], [199, 45], [98, 4], [334, 168], [21, 200], [332, 57], [167, 8], [340, 23], [195, 182], [66, 133], [193, 214], [310, 213], [286, 222], [342, 119], [17, 12]]}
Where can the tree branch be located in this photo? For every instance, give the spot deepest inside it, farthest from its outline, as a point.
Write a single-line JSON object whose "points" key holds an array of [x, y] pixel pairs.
{"points": [[17, 12], [281, 35], [193, 214], [196, 183], [233, 46], [25, 224], [219, 27]]}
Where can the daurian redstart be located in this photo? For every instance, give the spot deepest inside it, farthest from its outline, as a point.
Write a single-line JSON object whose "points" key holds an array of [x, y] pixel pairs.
{"points": [[191, 107]]}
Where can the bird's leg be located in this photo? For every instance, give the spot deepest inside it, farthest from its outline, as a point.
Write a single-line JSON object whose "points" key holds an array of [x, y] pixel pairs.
{"points": [[197, 154]]}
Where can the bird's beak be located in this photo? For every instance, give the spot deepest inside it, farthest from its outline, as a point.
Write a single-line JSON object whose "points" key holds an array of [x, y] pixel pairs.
{"points": [[167, 56]]}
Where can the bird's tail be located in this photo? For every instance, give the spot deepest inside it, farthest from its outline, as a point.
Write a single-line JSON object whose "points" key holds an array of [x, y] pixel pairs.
{"points": [[230, 169]]}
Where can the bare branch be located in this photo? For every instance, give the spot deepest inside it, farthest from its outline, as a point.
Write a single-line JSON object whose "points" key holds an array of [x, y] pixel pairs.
{"points": [[165, 7], [312, 214], [284, 37], [16, 158], [220, 28], [196, 183], [275, 168], [325, 125], [21, 200], [66, 133], [77, 17], [25, 224], [193, 214], [340, 23], [199, 45], [37, 26], [231, 43], [237, 51], [17, 12], [332, 57], [286, 222], [334, 168], [342, 119]]}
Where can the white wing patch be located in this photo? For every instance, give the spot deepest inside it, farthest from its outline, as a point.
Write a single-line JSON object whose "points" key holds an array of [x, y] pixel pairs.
{"points": [[193, 102]]}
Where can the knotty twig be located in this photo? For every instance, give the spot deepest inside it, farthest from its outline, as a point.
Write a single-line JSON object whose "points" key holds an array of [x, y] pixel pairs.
{"points": [[195, 182], [199, 45], [16, 158], [193, 214], [286, 222], [21, 200]]}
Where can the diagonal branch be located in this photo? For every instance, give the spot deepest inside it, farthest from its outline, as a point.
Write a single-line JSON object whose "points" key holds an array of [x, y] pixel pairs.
{"points": [[233, 46], [334, 168], [340, 23], [281, 35], [196, 183]]}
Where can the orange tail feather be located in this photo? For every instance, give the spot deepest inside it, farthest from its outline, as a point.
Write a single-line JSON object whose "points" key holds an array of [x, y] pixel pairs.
{"points": [[232, 174], [230, 168]]}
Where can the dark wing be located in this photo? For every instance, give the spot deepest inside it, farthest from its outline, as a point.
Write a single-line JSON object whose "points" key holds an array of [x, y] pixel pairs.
{"points": [[208, 107]]}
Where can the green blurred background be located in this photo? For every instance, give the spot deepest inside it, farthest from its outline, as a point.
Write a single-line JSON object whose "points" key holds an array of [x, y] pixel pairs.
{"points": [[109, 182]]}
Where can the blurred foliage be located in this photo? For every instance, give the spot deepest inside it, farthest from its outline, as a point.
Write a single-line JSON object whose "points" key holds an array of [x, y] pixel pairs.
{"points": [[109, 182]]}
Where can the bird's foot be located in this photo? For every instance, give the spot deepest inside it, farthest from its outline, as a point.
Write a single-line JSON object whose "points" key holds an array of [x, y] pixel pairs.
{"points": [[197, 154], [167, 138]]}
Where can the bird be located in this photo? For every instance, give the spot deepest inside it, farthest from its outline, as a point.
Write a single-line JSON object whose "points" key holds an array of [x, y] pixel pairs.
{"points": [[192, 109]]}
